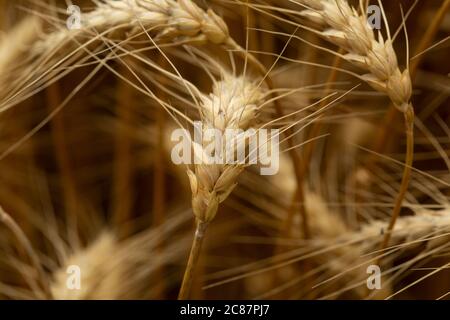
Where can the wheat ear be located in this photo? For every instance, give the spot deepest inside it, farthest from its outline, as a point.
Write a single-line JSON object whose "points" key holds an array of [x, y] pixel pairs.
{"points": [[426, 230], [233, 104], [171, 19], [178, 21], [348, 29]]}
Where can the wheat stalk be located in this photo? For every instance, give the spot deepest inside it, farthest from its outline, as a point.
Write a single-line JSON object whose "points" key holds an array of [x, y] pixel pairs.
{"points": [[349, 30], [233, 104]]}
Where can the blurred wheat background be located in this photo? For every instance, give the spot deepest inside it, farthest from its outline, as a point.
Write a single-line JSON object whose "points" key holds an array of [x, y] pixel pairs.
{"points": [[87, 179]]}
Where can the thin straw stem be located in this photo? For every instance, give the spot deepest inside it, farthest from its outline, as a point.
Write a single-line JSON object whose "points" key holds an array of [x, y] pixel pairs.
{"points": [[193, 260], [409, 125]]}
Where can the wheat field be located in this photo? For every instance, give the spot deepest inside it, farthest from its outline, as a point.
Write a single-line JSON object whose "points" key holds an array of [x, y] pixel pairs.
{"points": [[350, 104]]}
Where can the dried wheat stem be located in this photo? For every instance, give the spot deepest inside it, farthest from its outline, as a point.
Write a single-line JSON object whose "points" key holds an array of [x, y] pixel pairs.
{"points": [[64, 164], [159, 182], [409, 121], [348, 29], [193, 260], [295, 157], [306, 159], [429, 35], [299, 175], [121, 204]]}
